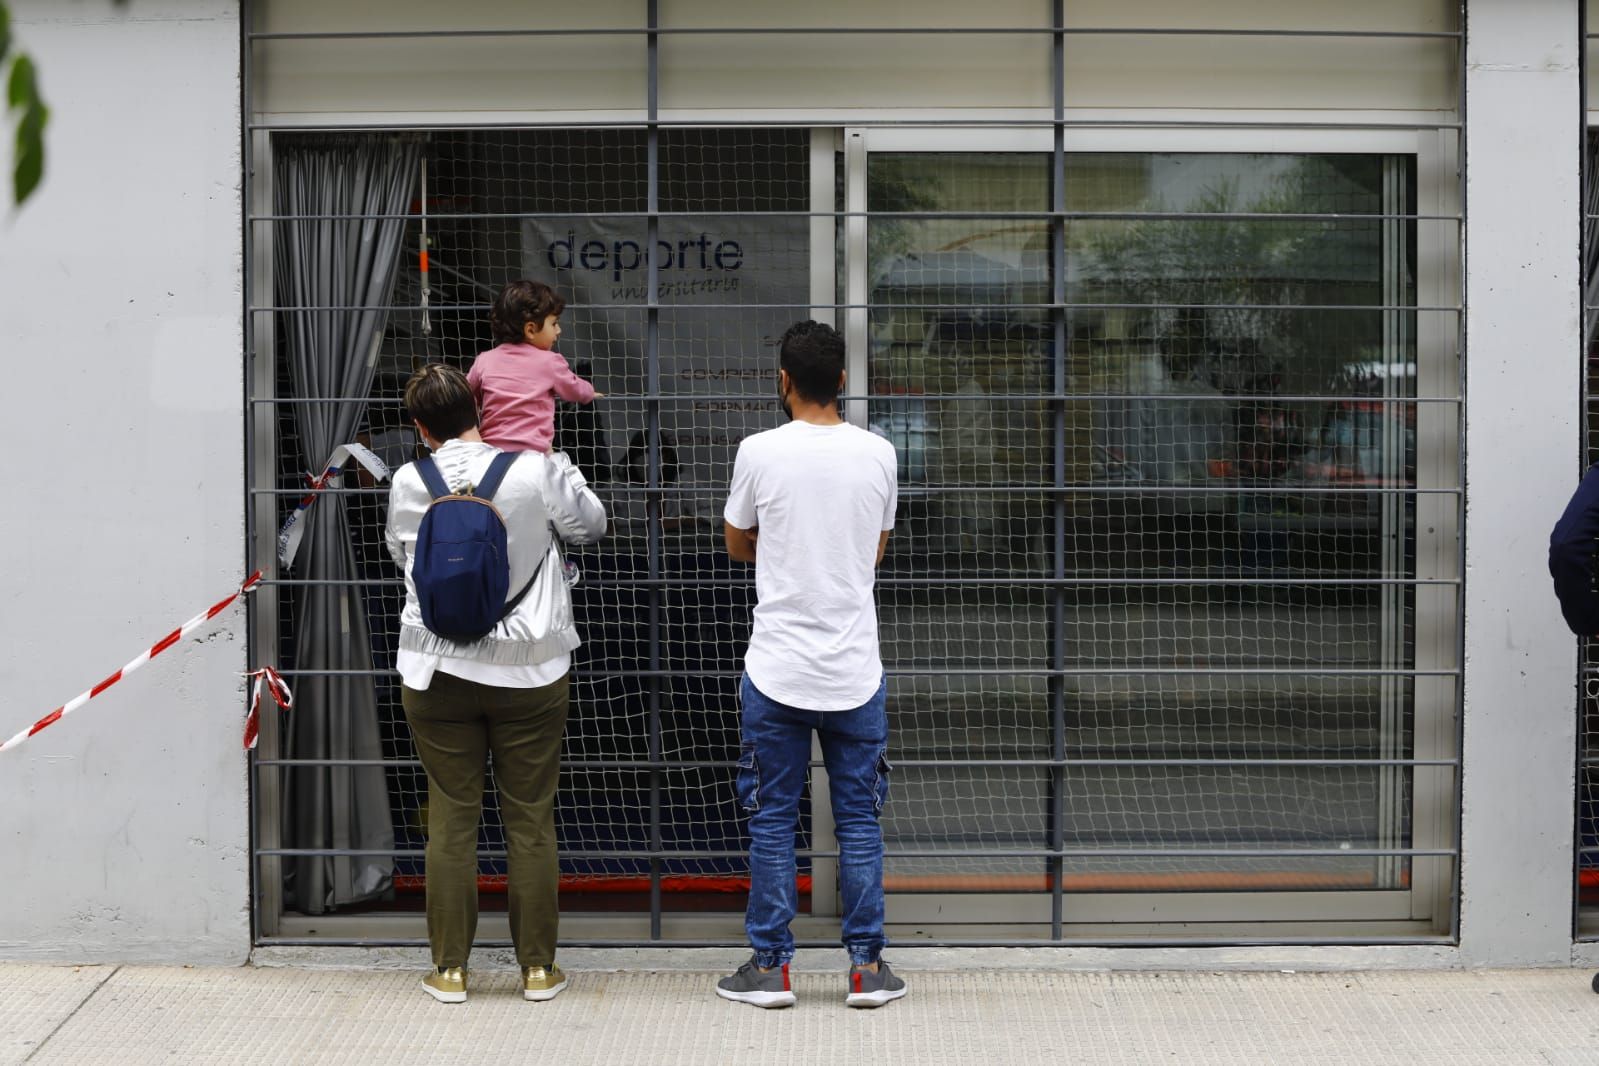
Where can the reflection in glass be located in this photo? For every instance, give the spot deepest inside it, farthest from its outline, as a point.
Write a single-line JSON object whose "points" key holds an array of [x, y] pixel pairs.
{"points": [[1239, 425], [945, 326]]}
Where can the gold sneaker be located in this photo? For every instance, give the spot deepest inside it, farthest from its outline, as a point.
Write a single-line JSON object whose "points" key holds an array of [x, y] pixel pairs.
{"points": [[446, 986], [540, 983]]}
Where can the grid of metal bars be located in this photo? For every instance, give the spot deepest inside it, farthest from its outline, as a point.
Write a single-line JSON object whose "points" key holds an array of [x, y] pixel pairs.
{"points": [[1057, 494], [1586, 896]]}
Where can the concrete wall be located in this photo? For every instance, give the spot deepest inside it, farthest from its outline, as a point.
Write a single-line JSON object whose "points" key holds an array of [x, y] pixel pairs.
{"points": [[123, 829], [1523, 378]]}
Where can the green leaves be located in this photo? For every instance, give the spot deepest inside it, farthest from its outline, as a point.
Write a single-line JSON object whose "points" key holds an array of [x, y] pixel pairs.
{"points": [[23, 100], [23, 93]]}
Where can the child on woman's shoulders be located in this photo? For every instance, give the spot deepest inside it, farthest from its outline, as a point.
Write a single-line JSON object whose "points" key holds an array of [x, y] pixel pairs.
{"points": [[516, 383]]}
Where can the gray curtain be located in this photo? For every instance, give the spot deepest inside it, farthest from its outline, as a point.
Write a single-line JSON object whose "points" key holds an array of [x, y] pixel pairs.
{"points": [[348, 264]]}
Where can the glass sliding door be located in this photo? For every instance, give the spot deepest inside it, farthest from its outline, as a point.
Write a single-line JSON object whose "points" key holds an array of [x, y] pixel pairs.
{"points": [[1150, 614], [957, 357]]}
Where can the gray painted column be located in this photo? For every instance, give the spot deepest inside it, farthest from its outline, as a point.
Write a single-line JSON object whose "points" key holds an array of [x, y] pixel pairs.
{"points": [[123, 828], [1523, 366]]}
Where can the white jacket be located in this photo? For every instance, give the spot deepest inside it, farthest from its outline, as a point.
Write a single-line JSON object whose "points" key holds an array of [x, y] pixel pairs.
{"points": [[538, 491]]}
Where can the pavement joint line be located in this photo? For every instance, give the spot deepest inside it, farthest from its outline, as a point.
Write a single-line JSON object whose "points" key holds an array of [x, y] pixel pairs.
{"points": [[74, 1013]]}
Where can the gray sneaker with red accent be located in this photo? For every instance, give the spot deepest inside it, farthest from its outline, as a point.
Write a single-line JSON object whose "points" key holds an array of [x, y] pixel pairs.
{"points": [[868, 989], [758, 987]]}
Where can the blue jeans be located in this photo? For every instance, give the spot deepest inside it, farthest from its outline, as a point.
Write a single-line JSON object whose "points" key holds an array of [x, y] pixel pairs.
{"points": [[772, 761]]}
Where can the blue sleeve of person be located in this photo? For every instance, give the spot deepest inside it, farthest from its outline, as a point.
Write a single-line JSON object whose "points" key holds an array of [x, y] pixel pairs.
{"points": [[1571, 555]]}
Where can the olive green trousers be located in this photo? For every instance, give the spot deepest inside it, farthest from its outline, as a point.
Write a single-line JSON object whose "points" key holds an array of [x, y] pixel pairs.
{"points": [[458, 725]]}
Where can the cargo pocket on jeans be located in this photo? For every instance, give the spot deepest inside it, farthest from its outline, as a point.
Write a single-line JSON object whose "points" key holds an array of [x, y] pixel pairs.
{"points": [[748, 781], [880, 786]]}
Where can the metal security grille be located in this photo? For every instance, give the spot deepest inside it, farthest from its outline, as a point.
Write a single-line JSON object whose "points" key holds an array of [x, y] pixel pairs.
{"points": [[1587, 858], [1171, 614]]}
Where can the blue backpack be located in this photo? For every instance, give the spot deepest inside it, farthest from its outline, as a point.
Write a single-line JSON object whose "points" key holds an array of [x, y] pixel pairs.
{"points": [[461, 569]]}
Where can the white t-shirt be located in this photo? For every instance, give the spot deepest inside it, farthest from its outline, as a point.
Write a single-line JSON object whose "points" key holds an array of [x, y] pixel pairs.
{"points": [[820, 498]]}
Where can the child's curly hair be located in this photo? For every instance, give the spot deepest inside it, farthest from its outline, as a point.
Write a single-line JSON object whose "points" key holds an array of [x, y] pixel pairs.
{"points": [[521, 302]]}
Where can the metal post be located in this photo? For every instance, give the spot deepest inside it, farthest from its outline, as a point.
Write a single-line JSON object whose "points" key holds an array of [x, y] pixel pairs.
{"points": [[652, 506], [422, 255], [1584, 648], [857, 347], [824, 294], [857, 321], [258, 925], [1461, 205], [1391, 644], [1057, 603]]}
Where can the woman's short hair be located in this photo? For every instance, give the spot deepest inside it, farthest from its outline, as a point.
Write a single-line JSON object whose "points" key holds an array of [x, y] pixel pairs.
{"points": [[521, 302], [439, 397]]}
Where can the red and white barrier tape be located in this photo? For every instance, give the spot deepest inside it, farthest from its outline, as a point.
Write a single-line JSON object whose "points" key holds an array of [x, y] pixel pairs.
{"points": [[149, 653], [269, 679], [288, 543], [294, 526]]}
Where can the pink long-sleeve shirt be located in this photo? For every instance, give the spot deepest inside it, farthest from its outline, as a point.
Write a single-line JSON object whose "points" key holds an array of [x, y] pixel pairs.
{"points": [[516, 386]]}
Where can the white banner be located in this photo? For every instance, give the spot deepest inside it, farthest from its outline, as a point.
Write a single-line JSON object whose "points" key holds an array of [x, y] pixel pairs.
{"points": [[721, 360]]}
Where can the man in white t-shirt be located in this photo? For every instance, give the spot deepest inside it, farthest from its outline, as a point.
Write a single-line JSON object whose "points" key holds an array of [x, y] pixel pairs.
{"points": [[811, 505]]}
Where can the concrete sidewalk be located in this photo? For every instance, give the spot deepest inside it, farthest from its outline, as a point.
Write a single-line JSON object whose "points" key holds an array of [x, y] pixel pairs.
{"points": [[258, 1014]]}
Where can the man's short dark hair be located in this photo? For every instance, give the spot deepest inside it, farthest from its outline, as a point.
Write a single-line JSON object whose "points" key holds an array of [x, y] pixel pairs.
{"points": [[521, 302], [813, 354], [439, 397]]}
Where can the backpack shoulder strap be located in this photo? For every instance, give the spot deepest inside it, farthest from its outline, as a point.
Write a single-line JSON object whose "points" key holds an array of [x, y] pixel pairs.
{"points": [[496, 473], [431, 477], [511, 604]]}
